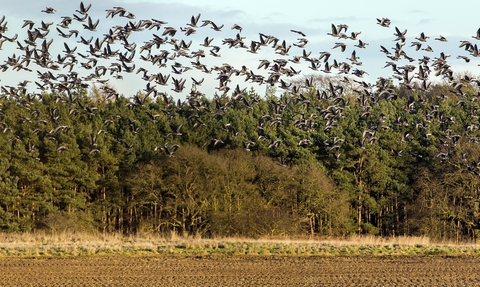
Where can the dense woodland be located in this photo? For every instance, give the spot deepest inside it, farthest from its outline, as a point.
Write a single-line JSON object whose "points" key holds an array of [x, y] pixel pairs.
{"points": [[400, 163]]}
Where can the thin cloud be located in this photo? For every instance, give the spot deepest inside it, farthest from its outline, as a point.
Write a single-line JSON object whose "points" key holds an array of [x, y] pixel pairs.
{"points": [[231, 14], [426, 21], [416, 11], [349, 19]]}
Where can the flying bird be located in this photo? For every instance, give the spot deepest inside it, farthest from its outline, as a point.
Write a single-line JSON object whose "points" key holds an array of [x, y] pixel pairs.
{"points": [[299, 32], [49, 10]]}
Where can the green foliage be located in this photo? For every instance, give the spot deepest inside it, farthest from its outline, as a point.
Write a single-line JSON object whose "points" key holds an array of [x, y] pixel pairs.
{"points": [[283, 164]]}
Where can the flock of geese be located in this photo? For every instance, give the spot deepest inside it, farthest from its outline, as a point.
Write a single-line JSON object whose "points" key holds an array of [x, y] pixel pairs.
{"points": [[98, 59]]}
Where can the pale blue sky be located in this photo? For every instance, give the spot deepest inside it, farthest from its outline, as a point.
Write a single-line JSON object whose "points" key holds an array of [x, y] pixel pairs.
{"points": [[454, 21]]}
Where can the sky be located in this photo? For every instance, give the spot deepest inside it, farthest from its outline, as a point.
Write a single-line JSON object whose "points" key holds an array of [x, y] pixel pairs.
{"points": [[456, 22]]}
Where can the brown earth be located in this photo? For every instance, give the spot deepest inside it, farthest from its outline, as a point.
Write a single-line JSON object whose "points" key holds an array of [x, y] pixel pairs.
{"points": [[241, 271]]}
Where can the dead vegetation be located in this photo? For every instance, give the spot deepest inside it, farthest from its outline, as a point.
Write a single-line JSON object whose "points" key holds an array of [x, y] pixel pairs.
{"points": [[66, 244]]}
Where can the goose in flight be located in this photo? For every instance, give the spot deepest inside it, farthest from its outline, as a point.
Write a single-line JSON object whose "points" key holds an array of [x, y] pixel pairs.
{"points": [[299, 32], [197, 83], [206, 42], [417, 45], [178, 131], [384, 50], [477, 36], [91, 25], [216, 141], [428, 49], [179, 85], [215, 27], [384, 22], [442, 156], [170, 31], [194, 21], [94, 151], [28, 23], [168, 151], [304, 142], [361, 44], [354, 58], [263, 64], [354, 35], [334, 31], [248, 144], [64, 35], [465, 58], [122, 12], [2, 40], [422, 37], [276, 143], [49, 10], [61, 148], [400, 35], [237, 27], [83, 9], [342, 46]]}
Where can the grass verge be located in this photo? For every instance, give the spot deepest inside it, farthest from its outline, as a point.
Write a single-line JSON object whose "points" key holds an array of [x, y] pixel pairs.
{"points": [[27, 245]]}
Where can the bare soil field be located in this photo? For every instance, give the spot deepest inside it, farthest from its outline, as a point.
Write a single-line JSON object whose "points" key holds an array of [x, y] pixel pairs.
{"points": [[238, 270]]}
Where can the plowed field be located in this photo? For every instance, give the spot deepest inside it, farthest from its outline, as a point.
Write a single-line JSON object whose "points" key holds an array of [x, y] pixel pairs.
{"points": [[241, 271]]}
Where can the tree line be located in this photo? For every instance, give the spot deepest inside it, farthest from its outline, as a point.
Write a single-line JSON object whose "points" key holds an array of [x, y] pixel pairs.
{"points": [[398, 162]]}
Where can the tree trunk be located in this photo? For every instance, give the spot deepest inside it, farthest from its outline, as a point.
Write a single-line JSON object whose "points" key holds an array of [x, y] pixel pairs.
{"points": [[359, 215]]}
